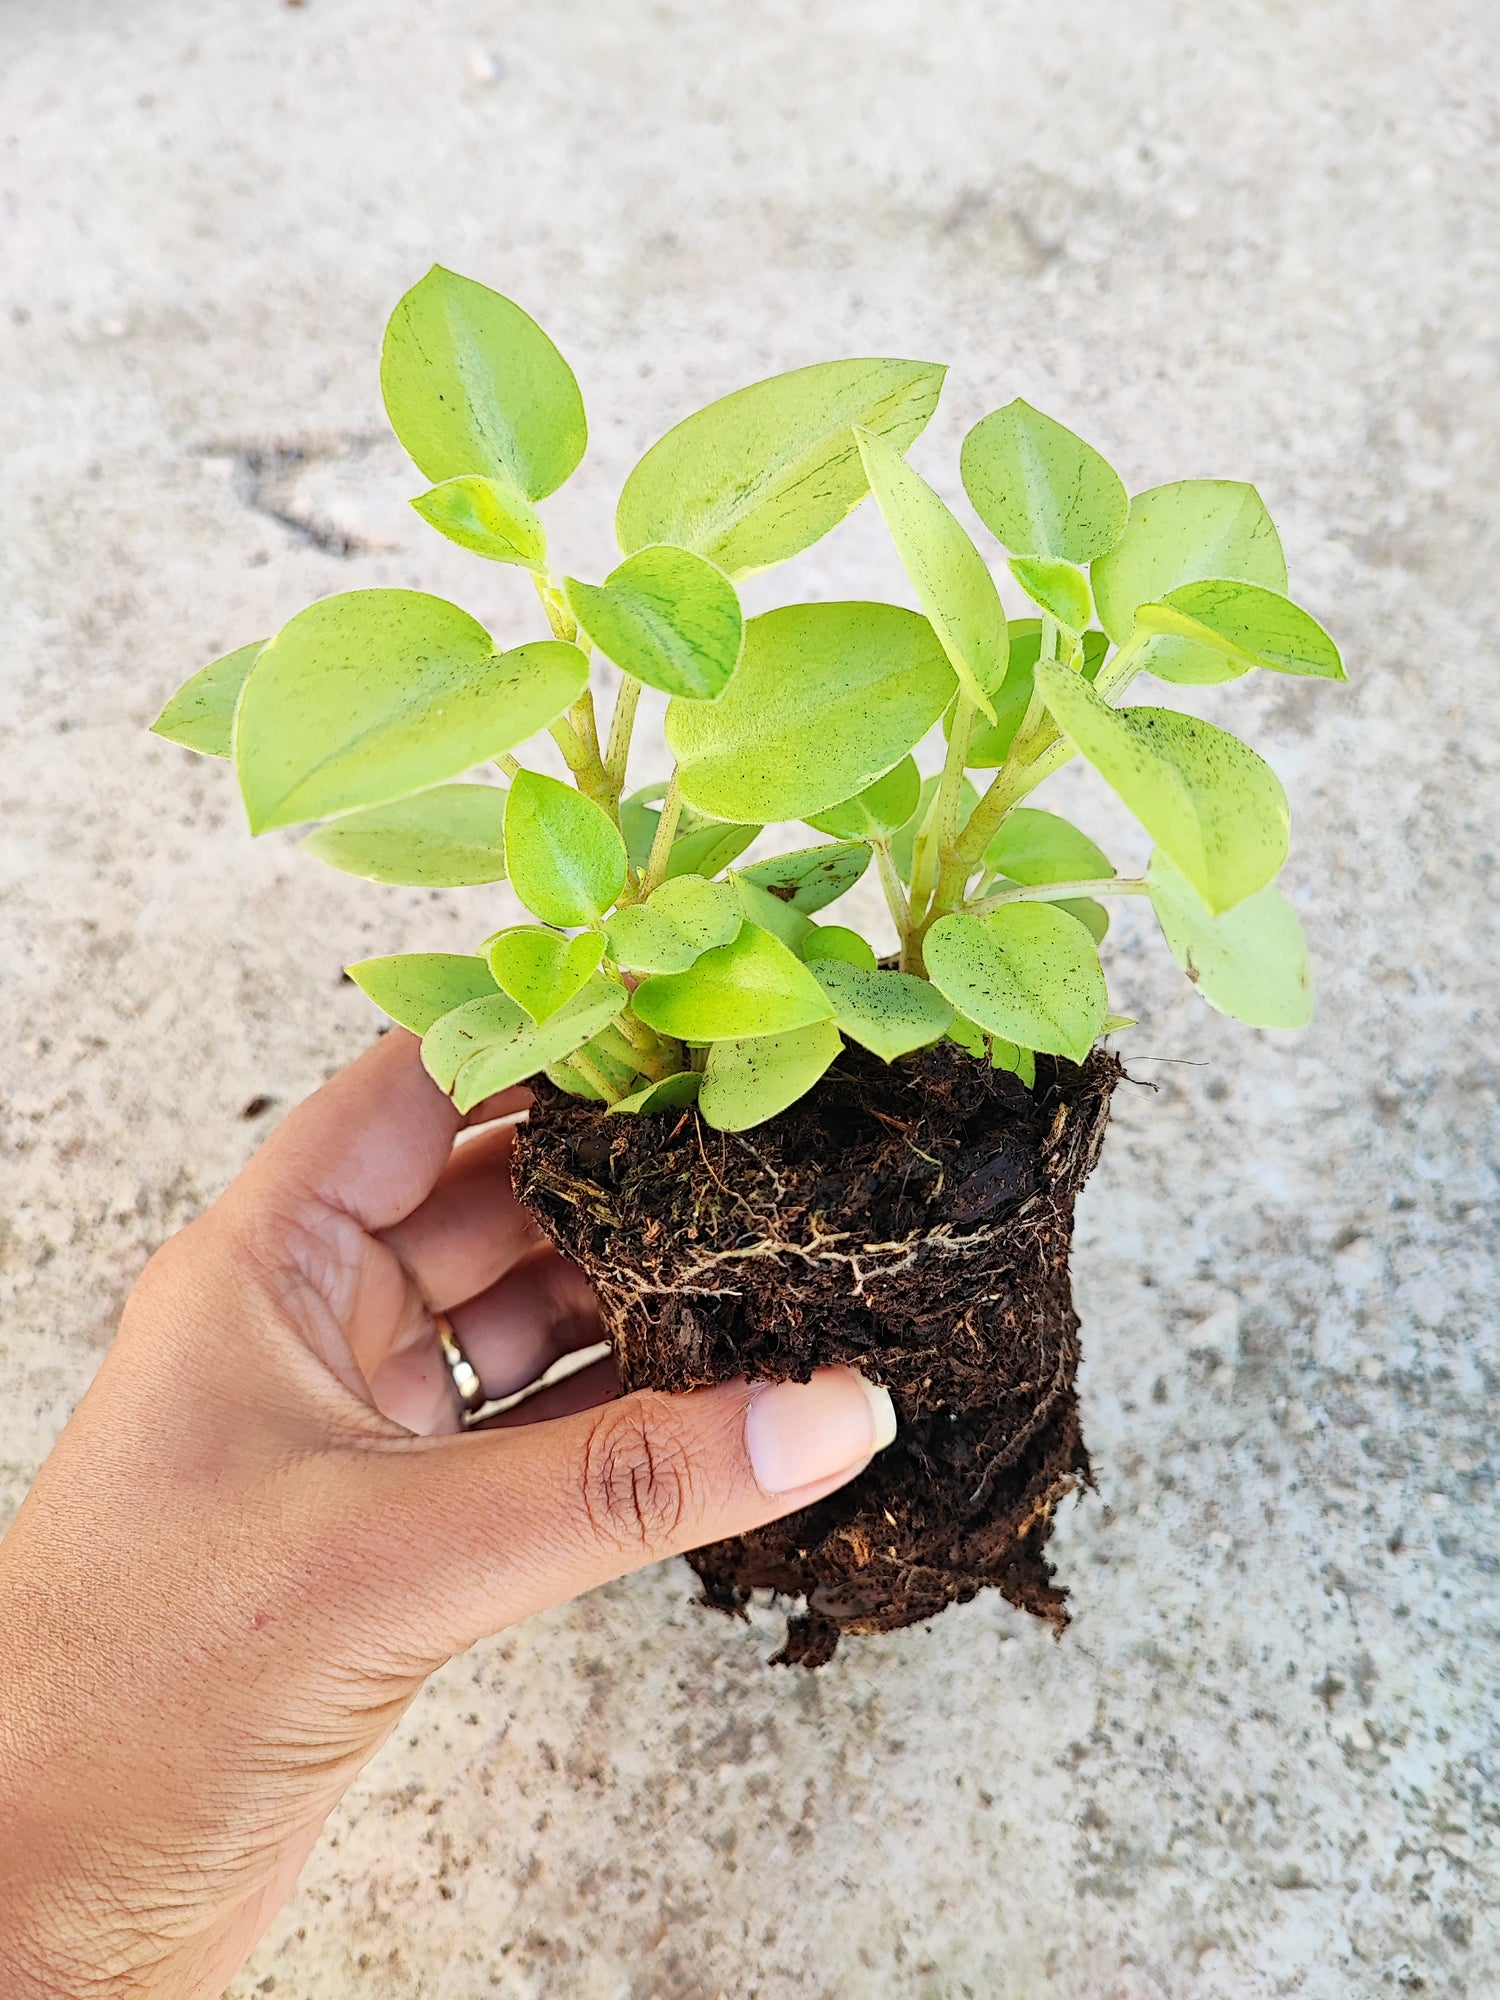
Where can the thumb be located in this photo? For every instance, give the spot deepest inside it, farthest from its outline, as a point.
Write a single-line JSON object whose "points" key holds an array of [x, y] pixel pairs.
{"points": [[548, 1510]]}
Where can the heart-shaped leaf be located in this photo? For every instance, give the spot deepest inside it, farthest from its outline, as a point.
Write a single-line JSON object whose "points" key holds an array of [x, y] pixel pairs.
{"points": [[452, 837], [747, 1081], [667, 616], [753, 985], [810, 878], [670, 1094], [200, 716], [826, 699], [1027, 972], [833, 941], [490, 1044], [949, 575], [1040, 490], [487, 517], [418, 988], [368, 696], [1250, 962], [541, 970], [762, 474], [565, 854], [1034, 847], [1060, 588], [677, 923], [1193, 529], [879, 811], [889, 1013], [1248, 624], [1217, 809], [473, 385]]}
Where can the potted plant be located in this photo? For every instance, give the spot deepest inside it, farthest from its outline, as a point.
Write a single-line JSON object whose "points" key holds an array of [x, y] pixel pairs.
{"points": [[770, 1147]]}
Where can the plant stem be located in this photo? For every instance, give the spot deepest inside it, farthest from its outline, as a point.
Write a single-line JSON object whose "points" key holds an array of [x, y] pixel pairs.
{"points": [[649, 1053], [661, 846], [895, 898], [590, 1071], [564, 625], [1018, 776], [508, 764], [617, 756], [1122, 667], [1054, 892]]}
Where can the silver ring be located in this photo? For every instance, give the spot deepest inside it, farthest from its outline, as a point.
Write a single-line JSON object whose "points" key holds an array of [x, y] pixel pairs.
{"points": [[466, 1383]]}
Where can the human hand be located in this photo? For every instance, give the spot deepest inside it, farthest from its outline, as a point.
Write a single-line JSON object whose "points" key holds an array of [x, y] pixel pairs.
{"points": [[263, 1527]]}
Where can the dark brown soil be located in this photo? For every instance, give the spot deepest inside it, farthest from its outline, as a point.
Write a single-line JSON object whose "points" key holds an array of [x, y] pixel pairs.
{"points": [[912, 1221]]}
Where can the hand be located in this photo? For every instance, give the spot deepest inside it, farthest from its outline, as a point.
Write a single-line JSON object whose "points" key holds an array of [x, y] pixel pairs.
{"points": [[263, 1528]]}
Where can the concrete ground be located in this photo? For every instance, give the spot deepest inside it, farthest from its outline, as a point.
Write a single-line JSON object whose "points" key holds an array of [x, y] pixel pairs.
{"points": [[1256, 240]]}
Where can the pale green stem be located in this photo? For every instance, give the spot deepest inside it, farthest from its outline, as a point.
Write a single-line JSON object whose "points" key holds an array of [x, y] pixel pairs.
{"points": [[1121, 668], [590, 1071], [661, 846], [508, 764], [895, 895], [1049, 637], [647, 1050], [617, 756], [1011, 784], [1065, 892], [559, 617]]}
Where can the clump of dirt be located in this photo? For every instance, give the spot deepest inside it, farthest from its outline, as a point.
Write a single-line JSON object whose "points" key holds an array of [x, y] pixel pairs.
{"points": [[910, 1220]]}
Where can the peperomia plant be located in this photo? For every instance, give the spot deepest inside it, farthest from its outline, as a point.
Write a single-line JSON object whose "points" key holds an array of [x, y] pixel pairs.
{"points": [[658, 972]]}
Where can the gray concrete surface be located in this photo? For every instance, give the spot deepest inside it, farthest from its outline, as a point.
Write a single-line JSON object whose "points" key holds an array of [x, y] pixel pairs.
{"points": [[1255, 240]]}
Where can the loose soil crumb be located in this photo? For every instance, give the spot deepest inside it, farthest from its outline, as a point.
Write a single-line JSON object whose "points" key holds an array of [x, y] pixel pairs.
{"points": [[912, 1221]]}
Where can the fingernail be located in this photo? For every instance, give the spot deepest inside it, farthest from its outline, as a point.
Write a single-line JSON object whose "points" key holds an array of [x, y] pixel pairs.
{"points": [[800, 1432]]}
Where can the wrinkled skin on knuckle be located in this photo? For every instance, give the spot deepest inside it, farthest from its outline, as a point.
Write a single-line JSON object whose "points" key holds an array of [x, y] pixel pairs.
{"points": [[638, 1476]]}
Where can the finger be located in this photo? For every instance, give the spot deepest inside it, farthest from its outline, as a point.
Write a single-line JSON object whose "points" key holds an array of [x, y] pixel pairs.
{"points": [[371, 1142], [553, 1509], [470, 1229], [516, 1330]]}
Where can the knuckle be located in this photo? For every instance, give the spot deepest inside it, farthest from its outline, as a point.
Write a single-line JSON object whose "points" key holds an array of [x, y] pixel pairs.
{"points": [[637, 1474]]}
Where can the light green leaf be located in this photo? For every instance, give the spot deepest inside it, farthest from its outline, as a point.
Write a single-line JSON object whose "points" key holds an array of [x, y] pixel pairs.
{"points": [[970, 1036], [452, 837], [903, 844], [1180, 534], [541, 970], [764, 473], [472, 384], [877, 812], [1218, 809], [572, 1081], [1018, 1062], [835, 942], [1250, 625], [1093, 916], [752, 985], [669, 617], [748, 1081], [490, 1044], [1040, 490], [365, 697], [708, 847], [200, 716], [1114, 1024], [1250, 962], [677, 923], [1060, 588], [811, 878], [1035, 847], [782, 919], [670, 1094], [1027, 972], [418, 988], [889, 1013], [1095, 652], [488, 517], [640, 815], [989, 746], [952, 582], [566, 857], [826, 699]]}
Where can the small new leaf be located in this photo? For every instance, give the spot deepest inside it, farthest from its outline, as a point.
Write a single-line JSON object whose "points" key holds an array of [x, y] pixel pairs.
{"points": [[473, 385], [490, 1044], [1060, 588], [488, 517], [764, 473], [418, 988], [1217, 809], [834, 941], [667, 616], [1246, 624], [747, 1081], [541, 970], [1027, 972], [566, 857], [670, 1094], [952, 582], [753, 985], [1040, 490], [200, 716], [1035, 847], [452, 837]]}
